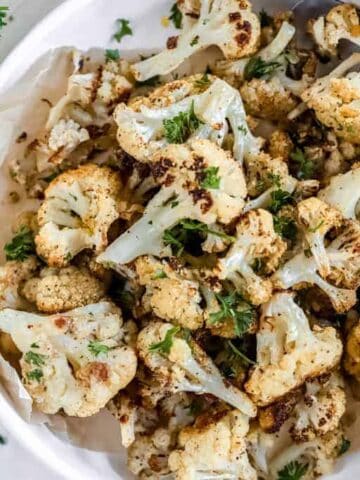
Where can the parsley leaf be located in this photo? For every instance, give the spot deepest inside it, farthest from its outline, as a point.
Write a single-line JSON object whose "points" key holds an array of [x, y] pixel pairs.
{"points": [[123, 29], [316, 228], [265, 19], [242, 317], [112, 54], [240, 354], [3, 440], [176, 16], [293, 471], [97, 348], [285, 227], [179, 128], [195, 407], [159, 274], [3, 14], [305, 166], [178, 237], [257, 68], [194, 41], [35, 359], [344, 446], [36, 374], [203, 83], [211, 178], [165, 345], [21, 246], [279, 198]]}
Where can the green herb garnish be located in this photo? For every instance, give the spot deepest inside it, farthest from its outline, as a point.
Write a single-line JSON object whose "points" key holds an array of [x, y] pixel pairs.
{"points": [[257, 68], [179, 128], [113, 55], [175, 16], [21, 246], [242, 317], [34, 345], [305, 168], [293, 471], [36, 374], [265, 19], [194, 41], [123, 29], [3, 14], [165, 345], [285, 227], [35, 359], [240, 354], [279, 198], [3, 440], [97, 348], [203, 82], [344, 446], [316, 228], [195, 407], [211, 179], [159, 274]]}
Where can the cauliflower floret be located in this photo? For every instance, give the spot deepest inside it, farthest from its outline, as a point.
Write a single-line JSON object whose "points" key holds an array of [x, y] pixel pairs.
{"points": [[267, 99], [280, 145], [261, 171], [64, 137], [255, 240], [114, 87], [214, 447], [75, 361], [320, 410], [80, 206], [61, 290], [169, 294], [12, 275], [288, 351], [343, 192], [125, 411], [182, 366], [316, 218], [141, 125], [352, 351], [182, 170], [229, 24], [341, 22], [336, 100]]}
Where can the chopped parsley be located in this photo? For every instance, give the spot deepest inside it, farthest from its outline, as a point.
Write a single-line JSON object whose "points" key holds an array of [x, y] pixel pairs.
{"points": [[21, 246], [316, 228], [112, 55], [36, 374], [293, 471], [179, 128], [34, 345], [159, 274], [266, 20], [3, 440], [123, 29], [176, 16], [211, 178], [195, 407], [257, 68], [97, 348], [3, 14], [305, 166], [194, 41], [235, 308], [179, 236], [279, 198], [285, 227], [239, 353], [344, 446], [36, 359], [203, 83], [172, 201], [242, 129], [165, 345]]}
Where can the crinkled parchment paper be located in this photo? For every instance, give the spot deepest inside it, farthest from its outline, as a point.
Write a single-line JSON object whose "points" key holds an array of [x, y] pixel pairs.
{"points": [[23, 109]]}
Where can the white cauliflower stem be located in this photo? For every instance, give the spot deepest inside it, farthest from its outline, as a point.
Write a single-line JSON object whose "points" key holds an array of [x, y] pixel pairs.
{"points": [[75, 361], [288, 351], [228, 24]]}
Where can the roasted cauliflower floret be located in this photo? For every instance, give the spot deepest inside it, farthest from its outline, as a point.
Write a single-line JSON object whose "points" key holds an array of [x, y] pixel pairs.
{"points": [[57, 291], [341, 22], [343, 192], [255, 240], [12, 277], [75, 361], [182, 366], [320, 410], [263, 171], [267, 99], [316, 218], [229, 24], [113, 87], [280, 145], [214, 447], [168, 294], [352, 351], [80, 206], [289, 352], [335, 100], [183, 172]]}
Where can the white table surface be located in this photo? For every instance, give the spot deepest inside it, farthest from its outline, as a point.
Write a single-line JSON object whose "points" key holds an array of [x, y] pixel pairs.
{"points": [[16, 463]]}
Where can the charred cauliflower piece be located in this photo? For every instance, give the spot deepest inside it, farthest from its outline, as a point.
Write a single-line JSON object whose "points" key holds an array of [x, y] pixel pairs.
{"points": [[168, 294], [255, 240], [75, 361], [214, 447], [182, 171], [289, 352], [12, 277], [57, 291], [341, 22], [182, 366], [80, 206], [229, 24]]}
